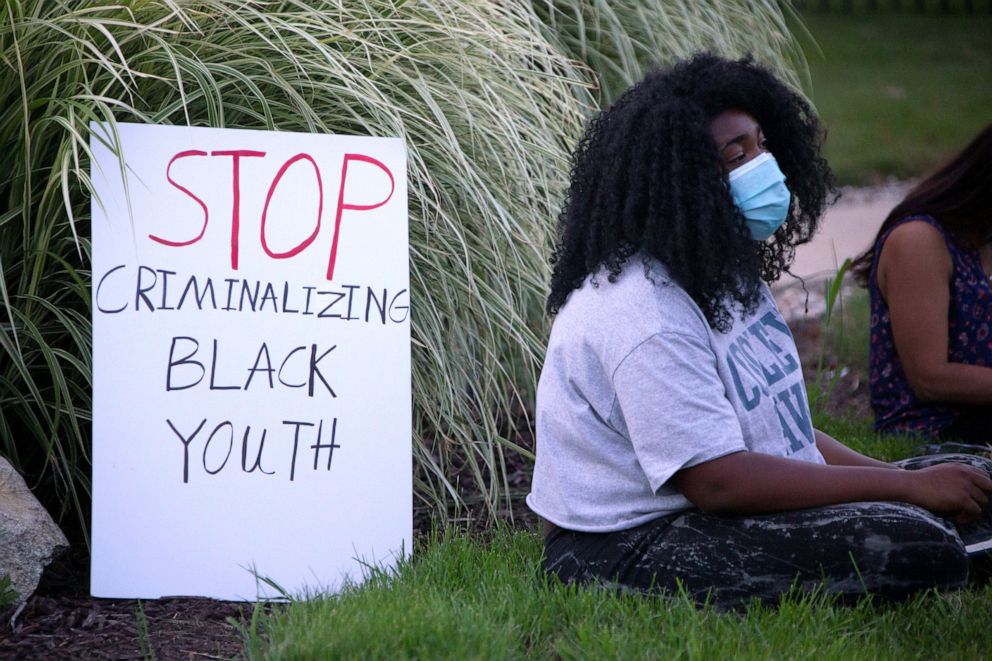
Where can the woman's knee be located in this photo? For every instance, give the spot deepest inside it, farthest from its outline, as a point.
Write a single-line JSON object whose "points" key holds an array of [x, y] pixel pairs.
{"points": [[899, 549], [888, 549], [916, 463]]}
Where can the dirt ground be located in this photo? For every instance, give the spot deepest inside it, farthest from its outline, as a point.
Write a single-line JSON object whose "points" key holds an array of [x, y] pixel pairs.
{"points": [[61, 621]]}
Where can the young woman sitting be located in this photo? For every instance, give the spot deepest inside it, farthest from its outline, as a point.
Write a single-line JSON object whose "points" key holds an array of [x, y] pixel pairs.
{"points": [[928, 271], [674, 437]]}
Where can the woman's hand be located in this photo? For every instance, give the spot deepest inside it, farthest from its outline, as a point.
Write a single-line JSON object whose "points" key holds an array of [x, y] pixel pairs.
{"points": [[952, 490]]}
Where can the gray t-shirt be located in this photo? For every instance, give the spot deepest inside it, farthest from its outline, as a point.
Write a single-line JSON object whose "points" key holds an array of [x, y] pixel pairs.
{"points": [[636, 386]]}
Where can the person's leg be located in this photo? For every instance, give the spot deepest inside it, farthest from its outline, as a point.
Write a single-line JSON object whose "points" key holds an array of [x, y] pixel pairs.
{"points": [[971, 532], [890, 550], [978, 461], [973, 426]]}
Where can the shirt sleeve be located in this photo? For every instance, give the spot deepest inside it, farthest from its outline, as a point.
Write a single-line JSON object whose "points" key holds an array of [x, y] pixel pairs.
{"points": [[674, 405]]}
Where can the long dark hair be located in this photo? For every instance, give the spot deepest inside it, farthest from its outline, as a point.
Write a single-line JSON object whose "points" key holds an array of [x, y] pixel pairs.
{"points": [[647, 176], [958, 196]]}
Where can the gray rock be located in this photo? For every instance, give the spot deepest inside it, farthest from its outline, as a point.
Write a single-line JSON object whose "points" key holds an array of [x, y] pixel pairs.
{"points": [[29, 539]]}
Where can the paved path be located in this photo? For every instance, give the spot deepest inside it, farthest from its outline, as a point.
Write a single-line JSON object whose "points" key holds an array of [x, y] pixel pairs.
{"points": [[848, 228]]}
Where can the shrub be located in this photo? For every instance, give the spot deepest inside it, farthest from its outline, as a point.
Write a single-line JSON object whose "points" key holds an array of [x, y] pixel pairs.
{"points": [[485, 95]]}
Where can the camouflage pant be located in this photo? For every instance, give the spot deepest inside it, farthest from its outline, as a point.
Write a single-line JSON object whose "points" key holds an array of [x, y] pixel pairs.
{"points": [[889, 550]]}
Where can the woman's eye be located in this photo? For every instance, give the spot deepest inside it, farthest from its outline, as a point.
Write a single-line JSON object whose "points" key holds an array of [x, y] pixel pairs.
{"points": [[736, 159], [763, 143]]}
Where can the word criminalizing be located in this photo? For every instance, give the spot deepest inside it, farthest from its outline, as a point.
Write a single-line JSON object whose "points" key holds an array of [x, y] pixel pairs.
{"points": [[149, 289]]}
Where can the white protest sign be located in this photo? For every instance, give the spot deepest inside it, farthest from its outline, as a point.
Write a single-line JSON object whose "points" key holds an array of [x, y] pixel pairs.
{"points": [[251, 361]]}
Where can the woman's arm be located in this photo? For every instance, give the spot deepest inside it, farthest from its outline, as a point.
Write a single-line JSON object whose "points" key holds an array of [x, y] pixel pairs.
{"points": [[837, 454], [751, 482], [914, 272]]}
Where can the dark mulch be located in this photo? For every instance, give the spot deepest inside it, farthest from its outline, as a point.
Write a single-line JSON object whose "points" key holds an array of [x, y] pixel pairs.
{"points": [[61, 621]]}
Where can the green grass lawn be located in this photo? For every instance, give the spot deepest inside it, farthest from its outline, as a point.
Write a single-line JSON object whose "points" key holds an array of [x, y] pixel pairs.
{"points": [[899, 92], [466, 598], [472, 597]]}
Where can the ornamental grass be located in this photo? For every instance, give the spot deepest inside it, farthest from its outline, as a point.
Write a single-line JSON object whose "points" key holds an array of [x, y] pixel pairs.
{"points": [[489, 97]]}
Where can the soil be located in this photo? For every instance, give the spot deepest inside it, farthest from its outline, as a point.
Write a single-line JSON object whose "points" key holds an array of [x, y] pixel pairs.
{"points": [[61, 620]]}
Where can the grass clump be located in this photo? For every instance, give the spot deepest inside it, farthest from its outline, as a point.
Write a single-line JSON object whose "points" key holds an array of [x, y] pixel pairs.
{"points": [[467, 597], [843, 348], [859, 435], [846, 336], [8, 595]]}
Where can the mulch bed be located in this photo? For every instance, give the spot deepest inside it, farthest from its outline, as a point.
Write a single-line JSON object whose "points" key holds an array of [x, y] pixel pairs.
{"points": [[62, 621]]}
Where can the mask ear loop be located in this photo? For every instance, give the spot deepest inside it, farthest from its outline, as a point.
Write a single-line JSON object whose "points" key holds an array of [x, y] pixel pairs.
{"points": [[802, 283]]}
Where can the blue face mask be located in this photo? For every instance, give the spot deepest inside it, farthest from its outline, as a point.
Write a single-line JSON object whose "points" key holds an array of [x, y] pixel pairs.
{"points": [[759, 191]]}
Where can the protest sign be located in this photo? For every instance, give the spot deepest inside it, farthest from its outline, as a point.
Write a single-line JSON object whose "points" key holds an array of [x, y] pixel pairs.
{"points": [[251, 360]]}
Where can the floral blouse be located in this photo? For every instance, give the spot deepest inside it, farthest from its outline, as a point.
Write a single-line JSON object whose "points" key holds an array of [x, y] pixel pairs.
{"points": [[969, 318]]}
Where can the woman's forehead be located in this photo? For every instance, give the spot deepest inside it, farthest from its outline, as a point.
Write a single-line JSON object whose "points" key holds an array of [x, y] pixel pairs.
{"points": [[731, 124]]}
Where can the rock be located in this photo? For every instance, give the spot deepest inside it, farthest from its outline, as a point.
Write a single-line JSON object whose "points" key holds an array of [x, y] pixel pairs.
{"points": [[29, 539]]}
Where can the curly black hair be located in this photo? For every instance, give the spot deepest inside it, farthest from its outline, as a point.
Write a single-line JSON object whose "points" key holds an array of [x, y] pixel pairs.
{"points": [[647, 176]]}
